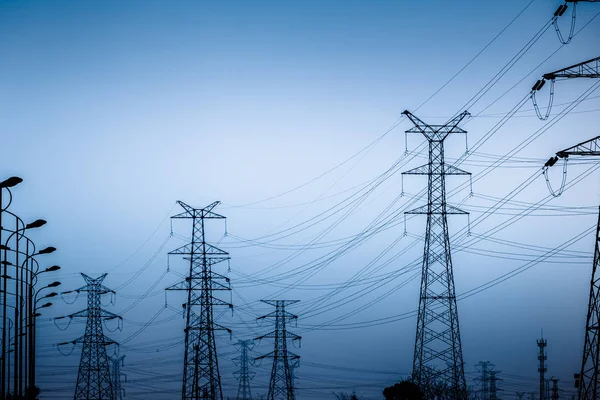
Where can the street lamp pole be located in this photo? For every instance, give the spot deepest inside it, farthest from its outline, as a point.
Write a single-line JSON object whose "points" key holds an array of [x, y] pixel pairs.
{"points": [[18, 288], [33, 318], [6, 184], [29, 283], [5, 264]]}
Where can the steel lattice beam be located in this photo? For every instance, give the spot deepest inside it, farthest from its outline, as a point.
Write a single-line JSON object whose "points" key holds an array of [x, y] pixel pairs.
{"points": [[588, 148], [586, 69]]}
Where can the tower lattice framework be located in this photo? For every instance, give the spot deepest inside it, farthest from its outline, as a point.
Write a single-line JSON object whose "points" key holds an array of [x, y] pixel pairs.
{"points": [[486, 367], [94, 378], [438, 357], [244, 375], [588, 380], [201, 378], [281, 385]]}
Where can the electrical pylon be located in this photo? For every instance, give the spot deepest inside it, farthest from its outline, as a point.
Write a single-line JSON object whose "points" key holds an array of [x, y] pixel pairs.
{"points": [[244, 375], [493, 385], [281, 385], [116, 374], [542, 343], [587, 380], [93, 378], [555, 395], [438, 351], [201, 379], [520, 395], [485, 379]]}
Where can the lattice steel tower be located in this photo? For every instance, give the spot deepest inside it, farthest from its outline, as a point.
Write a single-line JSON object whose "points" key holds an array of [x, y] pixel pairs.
{"points": [[493, 385], [281, 385], [93, 378], [244, 375], [588, 380], [484, 394], [438, 350], [116, 374], [201, 379]]}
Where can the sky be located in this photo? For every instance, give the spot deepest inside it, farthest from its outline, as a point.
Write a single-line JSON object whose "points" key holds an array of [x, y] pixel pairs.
{"points": [[289, 113]]}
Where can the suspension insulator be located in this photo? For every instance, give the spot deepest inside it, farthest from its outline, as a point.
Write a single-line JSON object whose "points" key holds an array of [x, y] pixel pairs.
{"points": [[560, 10], [551, 161], [538, 85]]}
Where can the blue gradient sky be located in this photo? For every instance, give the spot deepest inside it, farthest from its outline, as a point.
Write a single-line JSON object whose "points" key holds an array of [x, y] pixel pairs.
{"points": [[113, 110]]}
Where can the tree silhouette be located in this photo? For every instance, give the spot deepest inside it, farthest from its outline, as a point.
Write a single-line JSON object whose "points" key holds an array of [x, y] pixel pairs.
{"points": [[403, 390], [346, 396]]}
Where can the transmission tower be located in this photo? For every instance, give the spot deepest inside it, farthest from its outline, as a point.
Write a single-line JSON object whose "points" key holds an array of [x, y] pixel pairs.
{"points": [[485, 379], [542, 343], [438, 350], [520, 395], [94, 378], [201, 379], [244, 375], [116, 374], [493, 385], [281, 385], [555, 395], [587, 380]]}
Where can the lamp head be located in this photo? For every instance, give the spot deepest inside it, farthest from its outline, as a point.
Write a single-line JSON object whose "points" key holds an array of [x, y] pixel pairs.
{"points": [[35, 224], [52, 268], [54, 284], [10, 182], [47, 250], [46, 305]]}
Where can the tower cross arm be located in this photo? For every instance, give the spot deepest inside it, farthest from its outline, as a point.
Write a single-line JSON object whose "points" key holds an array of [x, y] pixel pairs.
{"points": [[420, 125], [424, 170], [452, 124], [588, 148], [585, 69], [191, 212]]}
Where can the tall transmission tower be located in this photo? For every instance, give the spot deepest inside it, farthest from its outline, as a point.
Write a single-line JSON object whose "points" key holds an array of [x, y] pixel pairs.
{"points": [[485, 379], [281, 385], [520, 395], [93, 378], [555, 395], [542, 343], [201, 379], [116, 374], [244, 375], [587, 381], [493, 385], [438, 350]]}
